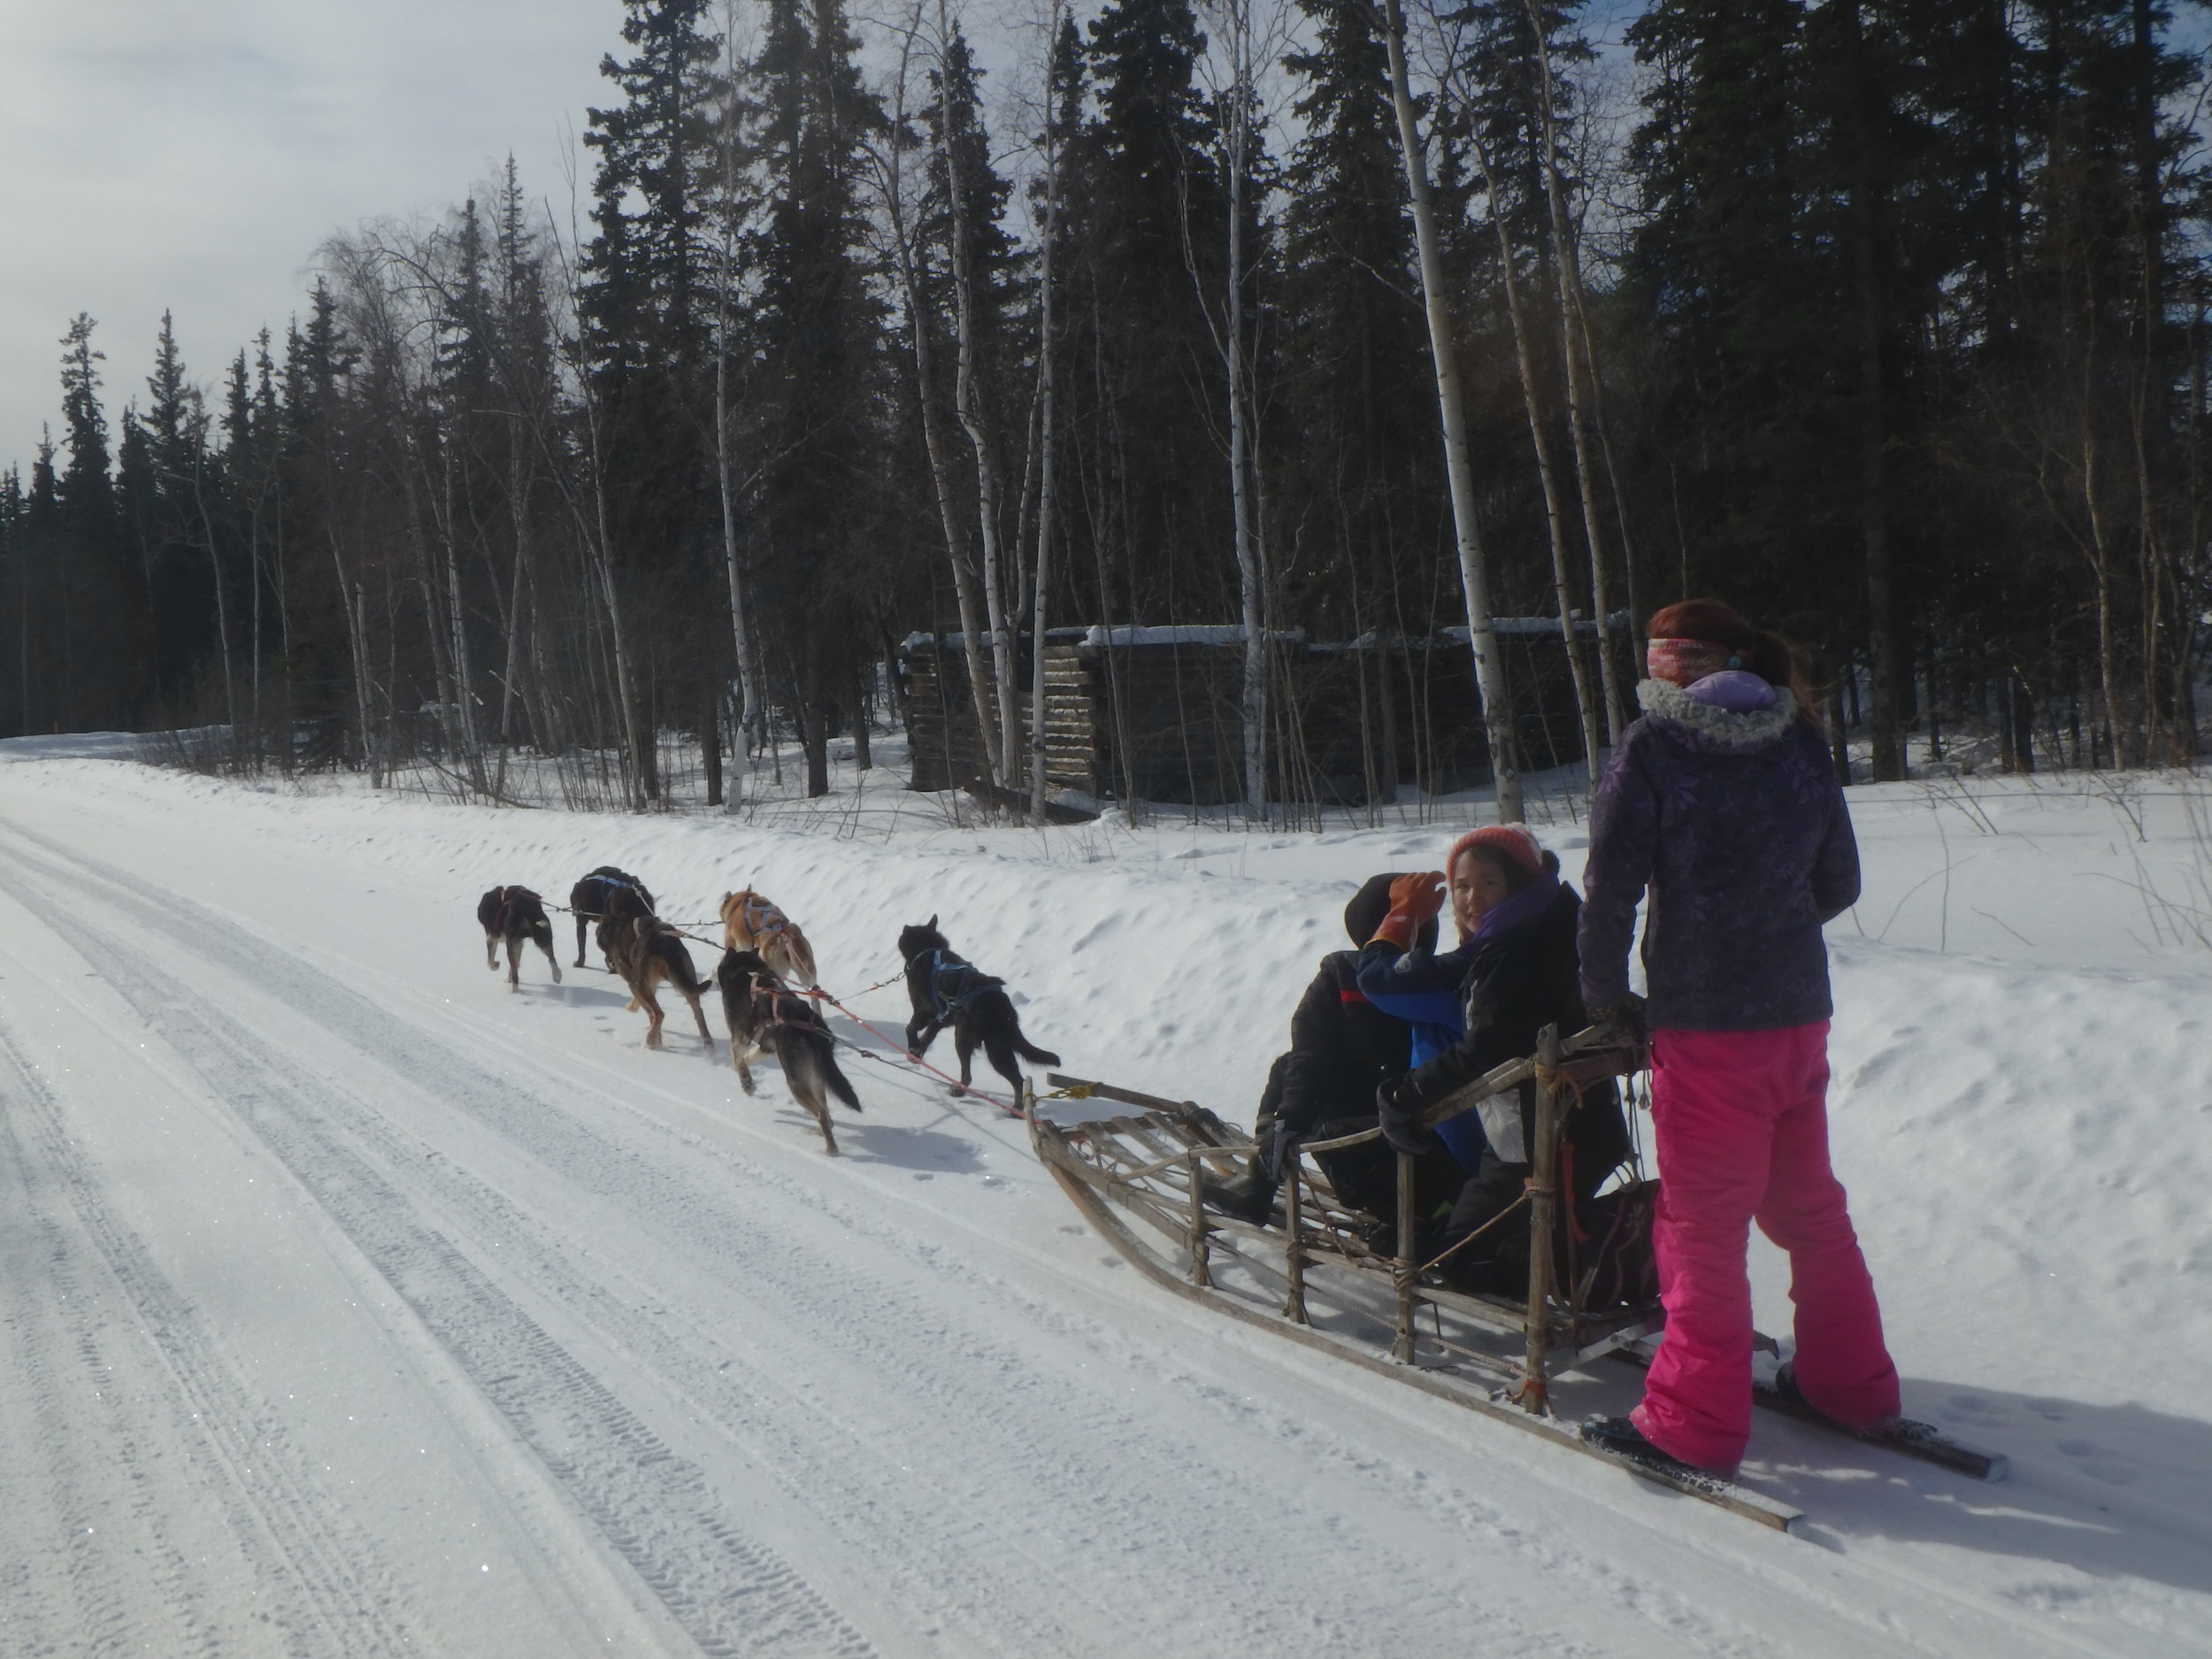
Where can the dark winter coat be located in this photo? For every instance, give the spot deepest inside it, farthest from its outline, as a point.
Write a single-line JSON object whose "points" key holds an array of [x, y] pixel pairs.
{"points": [[1513, 986], [1342, 1048], [1735, 822]]}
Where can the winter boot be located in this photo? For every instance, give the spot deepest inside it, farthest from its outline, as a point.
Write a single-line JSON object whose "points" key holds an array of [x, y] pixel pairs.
{"points": [[1785, 1386], [1624, 1438], [1249, 1197]]}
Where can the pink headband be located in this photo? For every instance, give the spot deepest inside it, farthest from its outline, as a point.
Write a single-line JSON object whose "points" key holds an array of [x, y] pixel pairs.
{"points": [[1685, 662]]}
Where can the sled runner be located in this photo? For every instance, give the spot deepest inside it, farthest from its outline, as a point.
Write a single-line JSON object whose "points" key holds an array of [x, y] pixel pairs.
{"points": [[1342, 1279]]}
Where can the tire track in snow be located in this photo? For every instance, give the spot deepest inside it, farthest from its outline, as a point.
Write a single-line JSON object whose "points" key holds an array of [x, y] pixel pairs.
{"points": [[324, 1585], [933, 1386], [64, 1506], [729, 1593]]}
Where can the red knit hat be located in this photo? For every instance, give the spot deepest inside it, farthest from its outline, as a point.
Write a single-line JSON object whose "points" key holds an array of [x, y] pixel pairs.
{"points": [[1512, 842]]}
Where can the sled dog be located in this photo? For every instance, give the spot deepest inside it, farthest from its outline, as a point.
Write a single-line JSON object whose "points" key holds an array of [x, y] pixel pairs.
{"points": [[765, 1017], [752, 921], [645, 951], [515, 915], [606, 892], [947, 989]]}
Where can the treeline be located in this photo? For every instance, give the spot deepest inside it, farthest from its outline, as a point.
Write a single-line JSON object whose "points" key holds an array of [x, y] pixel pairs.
{"points": [[1885, 321]]}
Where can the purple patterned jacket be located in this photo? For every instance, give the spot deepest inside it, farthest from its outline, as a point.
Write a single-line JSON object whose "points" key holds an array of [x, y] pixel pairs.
{"points": [[1734, 819]]}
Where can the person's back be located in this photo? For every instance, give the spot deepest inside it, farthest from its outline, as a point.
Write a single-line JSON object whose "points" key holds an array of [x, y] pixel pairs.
{"points": [[1722, 802]]}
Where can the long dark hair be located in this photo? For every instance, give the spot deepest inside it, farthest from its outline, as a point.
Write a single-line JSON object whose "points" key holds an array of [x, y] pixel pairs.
{"points": [[1769, 656]]}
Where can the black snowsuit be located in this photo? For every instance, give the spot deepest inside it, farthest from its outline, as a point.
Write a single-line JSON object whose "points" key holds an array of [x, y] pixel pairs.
{"points": [[1343, 1051], [1342, 1048], [1516, 985]]}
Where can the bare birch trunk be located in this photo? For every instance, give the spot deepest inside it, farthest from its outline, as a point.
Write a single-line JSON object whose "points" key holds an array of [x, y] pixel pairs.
{"points": [[1497, 712], [963, 575], [456, 620], [638, 769], [356, 638], [1586, 702], [1567, 269], [971, 417], [1251, 572], [222, 610], [1046, 404]]}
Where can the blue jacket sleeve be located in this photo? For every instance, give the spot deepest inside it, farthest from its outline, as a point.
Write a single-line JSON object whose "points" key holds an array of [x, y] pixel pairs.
{"points": [[1407, 987], [1624, 836]]}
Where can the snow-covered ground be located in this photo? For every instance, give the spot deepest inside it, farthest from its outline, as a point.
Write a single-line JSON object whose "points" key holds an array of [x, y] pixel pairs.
{"points": [[351, 1305]]}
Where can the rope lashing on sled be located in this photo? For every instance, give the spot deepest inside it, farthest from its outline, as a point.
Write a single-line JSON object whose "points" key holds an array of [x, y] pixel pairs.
{"points": [[1433, 1263], [1555, 1079]]}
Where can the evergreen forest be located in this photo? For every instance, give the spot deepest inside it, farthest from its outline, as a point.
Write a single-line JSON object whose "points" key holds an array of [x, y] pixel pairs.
{"points": [[1362, 323]]}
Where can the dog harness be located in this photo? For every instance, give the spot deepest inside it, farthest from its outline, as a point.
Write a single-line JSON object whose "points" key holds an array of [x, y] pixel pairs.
{"points": [[761, 916], [953, 985], [625, 884]]}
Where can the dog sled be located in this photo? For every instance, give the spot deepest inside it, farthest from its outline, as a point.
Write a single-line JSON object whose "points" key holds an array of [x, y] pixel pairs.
{"points": [[1331, 1276]]}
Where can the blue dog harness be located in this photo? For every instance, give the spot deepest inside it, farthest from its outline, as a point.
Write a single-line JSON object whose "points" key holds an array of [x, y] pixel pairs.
{"points": [[953, 986]]}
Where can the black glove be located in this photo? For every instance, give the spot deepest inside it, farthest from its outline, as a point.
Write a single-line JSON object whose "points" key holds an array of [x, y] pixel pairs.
{"points": [[1626, 1018], [1399, 1108]]}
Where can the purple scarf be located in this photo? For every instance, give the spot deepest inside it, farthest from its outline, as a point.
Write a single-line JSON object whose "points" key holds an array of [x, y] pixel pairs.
{"points": [[1523, 908]]}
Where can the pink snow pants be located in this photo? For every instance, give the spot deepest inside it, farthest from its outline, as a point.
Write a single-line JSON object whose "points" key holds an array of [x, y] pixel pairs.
{"points": [[1742, 1119]]}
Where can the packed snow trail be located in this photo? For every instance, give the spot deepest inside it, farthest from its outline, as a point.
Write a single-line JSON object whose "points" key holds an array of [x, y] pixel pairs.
{"points": [[355, 1305]]}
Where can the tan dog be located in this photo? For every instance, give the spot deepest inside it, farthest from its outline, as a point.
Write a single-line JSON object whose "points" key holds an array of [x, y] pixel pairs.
{"points": [[645, 951], [752, 921]]}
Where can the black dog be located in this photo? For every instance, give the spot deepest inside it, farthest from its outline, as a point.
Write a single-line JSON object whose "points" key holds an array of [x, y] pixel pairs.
{"points": [[515, 914], [765, 1017], [607, 891], [947, 989]]}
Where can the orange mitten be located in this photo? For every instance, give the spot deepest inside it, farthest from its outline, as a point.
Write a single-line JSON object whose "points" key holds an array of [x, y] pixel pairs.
{"points": [[1414, 900]]}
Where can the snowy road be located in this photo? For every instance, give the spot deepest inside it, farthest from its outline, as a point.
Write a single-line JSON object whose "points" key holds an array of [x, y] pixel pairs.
{"points": [[350, 1305]]}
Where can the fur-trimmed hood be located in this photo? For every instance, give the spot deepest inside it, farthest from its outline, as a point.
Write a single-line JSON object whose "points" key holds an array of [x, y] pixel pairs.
{"points": [[1704, 726]]}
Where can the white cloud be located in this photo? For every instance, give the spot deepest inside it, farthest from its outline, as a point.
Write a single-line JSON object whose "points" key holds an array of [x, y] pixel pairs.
{"points": [[190, 154]]}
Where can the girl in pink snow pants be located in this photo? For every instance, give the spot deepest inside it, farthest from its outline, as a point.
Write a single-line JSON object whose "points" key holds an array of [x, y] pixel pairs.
{"points": [[1722, 805], [1742, 1123]]}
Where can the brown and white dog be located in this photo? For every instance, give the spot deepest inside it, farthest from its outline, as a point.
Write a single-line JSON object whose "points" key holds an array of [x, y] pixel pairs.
{"points": [[645, 950], [515, 914], [766, 1017], [752, 921]]}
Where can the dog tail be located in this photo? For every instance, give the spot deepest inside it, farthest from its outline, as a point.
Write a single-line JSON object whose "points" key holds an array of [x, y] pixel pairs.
{"points": [[808, 1058], [1029, 1050], [840, 1085], [681, 968]]}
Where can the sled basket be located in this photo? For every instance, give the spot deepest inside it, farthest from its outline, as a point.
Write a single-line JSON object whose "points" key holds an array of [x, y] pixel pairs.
{"points": [[1331, 1274]]}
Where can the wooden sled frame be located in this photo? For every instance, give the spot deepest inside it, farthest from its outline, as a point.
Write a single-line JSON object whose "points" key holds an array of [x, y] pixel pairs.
{"points": [[1136, 1179], [1151, 1167]]}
